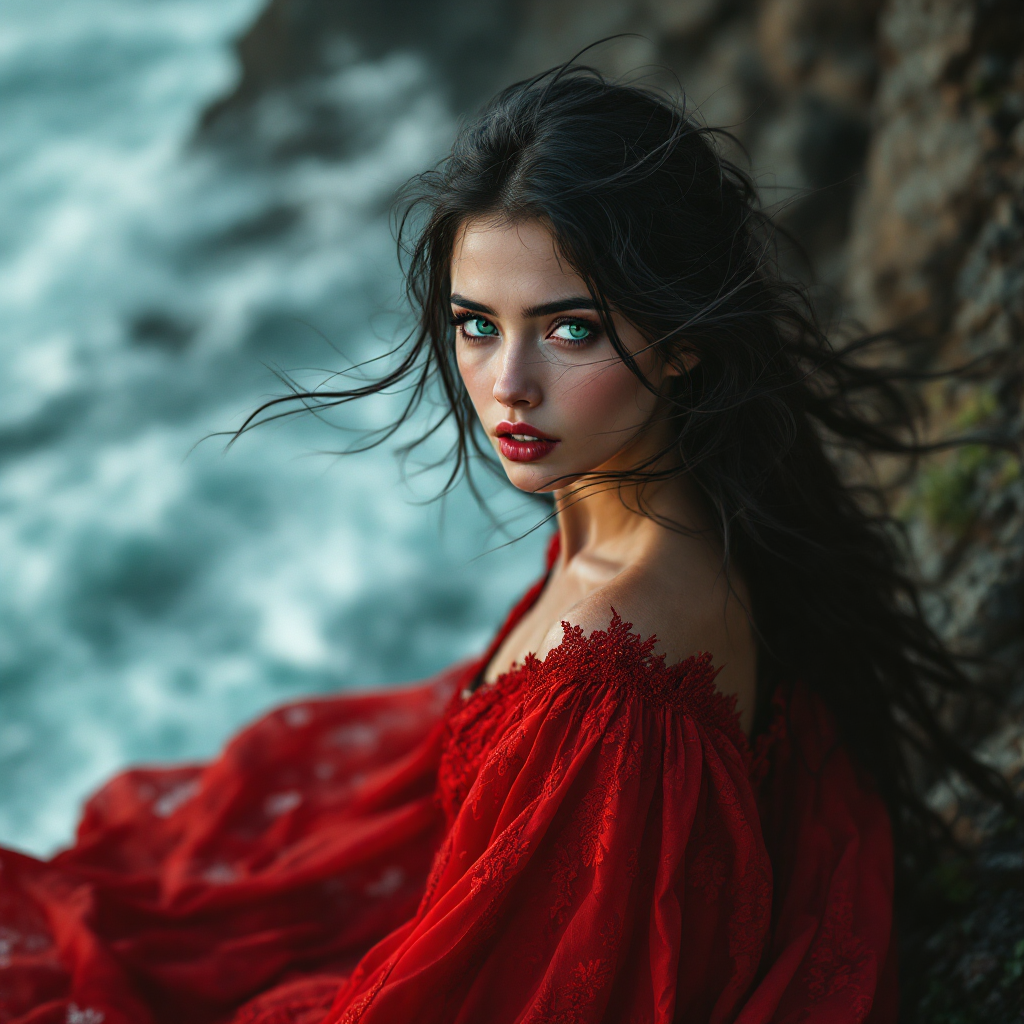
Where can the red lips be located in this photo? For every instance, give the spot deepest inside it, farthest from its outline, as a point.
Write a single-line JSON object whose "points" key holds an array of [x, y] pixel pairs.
{"points": [[538, 445]]}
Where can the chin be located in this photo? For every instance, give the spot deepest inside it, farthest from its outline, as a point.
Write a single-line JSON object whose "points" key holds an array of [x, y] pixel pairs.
{"points": [[538, 478]]}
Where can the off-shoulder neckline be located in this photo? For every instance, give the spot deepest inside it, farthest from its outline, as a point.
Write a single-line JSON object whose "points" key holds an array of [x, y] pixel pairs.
{"points": [[621, 656]]}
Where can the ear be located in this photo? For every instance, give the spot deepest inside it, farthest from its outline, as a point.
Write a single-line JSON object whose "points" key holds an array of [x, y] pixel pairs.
{"points": [[684, 363]]}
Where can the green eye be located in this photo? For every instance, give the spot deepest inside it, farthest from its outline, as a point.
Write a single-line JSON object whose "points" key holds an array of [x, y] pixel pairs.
{"points": [[478, 327], [574, 331]]}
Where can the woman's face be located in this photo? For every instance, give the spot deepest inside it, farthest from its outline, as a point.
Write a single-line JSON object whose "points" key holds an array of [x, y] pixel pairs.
{"points": [[552, 394]]}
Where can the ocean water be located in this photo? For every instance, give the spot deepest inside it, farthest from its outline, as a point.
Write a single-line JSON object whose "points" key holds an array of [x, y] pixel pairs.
{"points": [[157, 591]]}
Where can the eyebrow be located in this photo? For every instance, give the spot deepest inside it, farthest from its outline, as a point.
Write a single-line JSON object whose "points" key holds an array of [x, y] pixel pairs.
{"points": [[544, 309]]}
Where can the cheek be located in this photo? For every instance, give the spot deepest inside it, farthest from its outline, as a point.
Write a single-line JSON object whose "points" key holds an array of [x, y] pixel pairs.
{"points": [[477, 376], [604, 401]]}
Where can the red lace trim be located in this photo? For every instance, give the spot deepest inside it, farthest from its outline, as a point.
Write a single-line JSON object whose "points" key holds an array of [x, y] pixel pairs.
{"points": [[617, 660], [471, 728], [617, 656]]}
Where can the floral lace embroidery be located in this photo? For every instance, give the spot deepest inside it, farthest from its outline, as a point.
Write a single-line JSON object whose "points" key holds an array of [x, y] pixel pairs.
{"points": [[568, 1001], [471, 730], [615, 658], [839, 963], [619, 658], [501, 861], [592, 679], [485, 729], [580, 847]]}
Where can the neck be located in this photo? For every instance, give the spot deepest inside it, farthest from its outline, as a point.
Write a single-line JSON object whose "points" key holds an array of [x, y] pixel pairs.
{"points": [[616, 520]]}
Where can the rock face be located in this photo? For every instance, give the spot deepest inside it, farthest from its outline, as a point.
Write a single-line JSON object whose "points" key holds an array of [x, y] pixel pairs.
{"points": [[889, 135], [937, 235]]}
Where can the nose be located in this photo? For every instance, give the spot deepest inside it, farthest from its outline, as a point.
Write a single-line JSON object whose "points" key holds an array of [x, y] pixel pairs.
{"points": [[516, 385]]}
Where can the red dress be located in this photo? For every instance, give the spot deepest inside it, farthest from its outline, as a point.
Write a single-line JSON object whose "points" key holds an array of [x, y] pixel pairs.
{"points": [[588, 840]]}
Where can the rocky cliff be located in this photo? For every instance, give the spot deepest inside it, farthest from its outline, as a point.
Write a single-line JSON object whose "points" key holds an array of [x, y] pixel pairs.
{"points": [[889, 137]]}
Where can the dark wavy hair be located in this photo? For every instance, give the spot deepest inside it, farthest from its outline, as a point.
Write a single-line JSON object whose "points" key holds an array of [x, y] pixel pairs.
{"points": [[668, 232]]}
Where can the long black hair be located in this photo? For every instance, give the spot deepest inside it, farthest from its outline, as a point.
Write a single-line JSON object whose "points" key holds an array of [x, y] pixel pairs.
{"points": [[668, 233]]}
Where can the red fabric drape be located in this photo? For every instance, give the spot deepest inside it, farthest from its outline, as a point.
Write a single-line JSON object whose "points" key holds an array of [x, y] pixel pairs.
{"points": [[588, 840]]}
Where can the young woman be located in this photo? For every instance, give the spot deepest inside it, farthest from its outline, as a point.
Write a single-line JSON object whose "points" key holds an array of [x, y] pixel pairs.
{"points": [[664, 793]]}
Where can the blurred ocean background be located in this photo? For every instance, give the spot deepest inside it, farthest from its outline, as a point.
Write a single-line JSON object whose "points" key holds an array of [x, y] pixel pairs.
{"points": [[154, 596]]}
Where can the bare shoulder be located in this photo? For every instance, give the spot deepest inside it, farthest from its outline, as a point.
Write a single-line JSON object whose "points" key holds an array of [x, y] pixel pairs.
{"points": [[691, 605]]}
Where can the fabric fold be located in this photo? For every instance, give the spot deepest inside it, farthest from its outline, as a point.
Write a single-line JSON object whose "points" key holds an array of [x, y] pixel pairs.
{"points": [[589, 840], [605, 861]]}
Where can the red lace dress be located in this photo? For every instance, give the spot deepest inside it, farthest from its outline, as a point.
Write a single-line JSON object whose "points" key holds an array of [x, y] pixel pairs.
{"points": [[588, 840]]}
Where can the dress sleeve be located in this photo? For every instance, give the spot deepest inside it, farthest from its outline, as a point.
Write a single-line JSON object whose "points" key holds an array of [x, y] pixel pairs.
{"points": [[190, 889], [606, 864], [832, 957]]}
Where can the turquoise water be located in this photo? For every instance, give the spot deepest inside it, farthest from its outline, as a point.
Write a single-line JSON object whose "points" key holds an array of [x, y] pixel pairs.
{"points": [[154, 595]]}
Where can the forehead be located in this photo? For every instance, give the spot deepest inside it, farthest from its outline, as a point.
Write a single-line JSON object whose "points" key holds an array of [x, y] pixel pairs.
{"points": [[510, 259]]}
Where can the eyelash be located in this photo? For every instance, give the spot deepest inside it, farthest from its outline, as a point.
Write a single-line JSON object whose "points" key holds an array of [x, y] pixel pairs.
{"points": [[460, 319]]}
